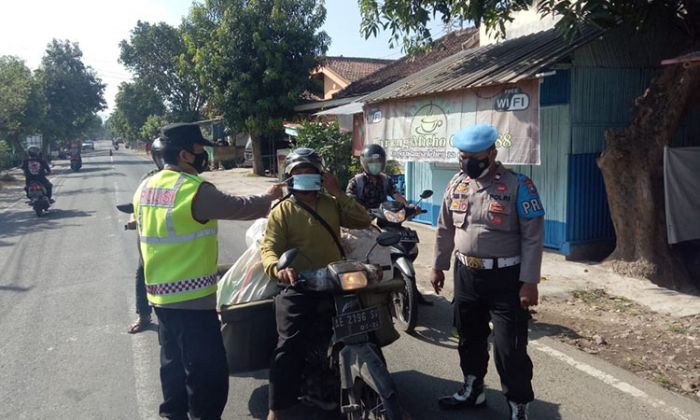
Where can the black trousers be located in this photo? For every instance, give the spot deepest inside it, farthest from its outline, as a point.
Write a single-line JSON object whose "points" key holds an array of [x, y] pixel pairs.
{"points": [[301, 317], [143, 308], [193, 367], [483, 295]]}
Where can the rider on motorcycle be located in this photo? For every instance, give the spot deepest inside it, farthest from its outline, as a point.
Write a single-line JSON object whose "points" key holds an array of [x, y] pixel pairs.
{"points": [[291, 225], [35, 169], [371, 187]]}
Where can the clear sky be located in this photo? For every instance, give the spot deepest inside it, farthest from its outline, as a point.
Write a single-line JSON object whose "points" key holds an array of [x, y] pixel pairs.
{"points": [[27, 26]]}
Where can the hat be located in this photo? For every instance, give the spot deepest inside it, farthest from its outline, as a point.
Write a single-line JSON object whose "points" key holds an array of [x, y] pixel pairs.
{"points": [[183, 135], [475, 138]]}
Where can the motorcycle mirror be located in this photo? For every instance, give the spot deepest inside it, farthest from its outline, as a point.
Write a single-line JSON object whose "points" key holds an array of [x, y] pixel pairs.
{"points": [[287, 258], [426, 194], [126, 208]]}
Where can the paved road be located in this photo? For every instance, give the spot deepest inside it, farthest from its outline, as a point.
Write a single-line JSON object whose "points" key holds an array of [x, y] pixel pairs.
{"points": [[66, 297]]}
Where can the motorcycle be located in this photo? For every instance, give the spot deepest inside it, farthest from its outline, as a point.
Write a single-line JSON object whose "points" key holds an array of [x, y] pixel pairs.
{"points": [[345, 367], [116, 146], [389, 218], [38, 198], [76, 162]]}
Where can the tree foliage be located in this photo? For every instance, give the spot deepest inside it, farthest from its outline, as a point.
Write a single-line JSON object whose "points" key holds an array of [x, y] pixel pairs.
{"points": [[334, 146], [151, 127], [158, 56], [15, 90], [135, 102], [72, 90], [408, 20], [255, 57]]}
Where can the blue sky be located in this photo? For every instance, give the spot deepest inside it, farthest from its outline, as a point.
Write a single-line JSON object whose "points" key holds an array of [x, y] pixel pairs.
{"points": [[26, 27]]}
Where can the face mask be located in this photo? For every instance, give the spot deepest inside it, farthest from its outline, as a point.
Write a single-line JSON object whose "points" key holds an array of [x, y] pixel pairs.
{"points": [[374, 168], [475, 168], [201, 162], [306, 182]]}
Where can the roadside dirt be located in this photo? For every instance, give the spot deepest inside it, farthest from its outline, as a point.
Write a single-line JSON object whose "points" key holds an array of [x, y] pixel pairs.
{"points": [[658, 347]]}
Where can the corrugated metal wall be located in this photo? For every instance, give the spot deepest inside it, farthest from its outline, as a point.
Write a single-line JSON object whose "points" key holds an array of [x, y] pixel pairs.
{"points": [[588, 216]]}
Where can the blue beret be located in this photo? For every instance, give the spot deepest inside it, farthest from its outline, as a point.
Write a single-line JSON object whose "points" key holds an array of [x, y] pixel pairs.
{"points": [[475, 138]]}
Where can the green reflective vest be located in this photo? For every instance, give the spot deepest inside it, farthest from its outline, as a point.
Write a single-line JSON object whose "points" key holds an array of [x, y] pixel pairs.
{"points": [[179, 253]]}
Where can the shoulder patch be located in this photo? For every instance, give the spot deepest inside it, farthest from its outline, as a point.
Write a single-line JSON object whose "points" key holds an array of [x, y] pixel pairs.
{"points": [[529, 204]]}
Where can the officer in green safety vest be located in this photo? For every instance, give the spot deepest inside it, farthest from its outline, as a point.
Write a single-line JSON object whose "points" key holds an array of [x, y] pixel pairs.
{"points": [[176, 213]]}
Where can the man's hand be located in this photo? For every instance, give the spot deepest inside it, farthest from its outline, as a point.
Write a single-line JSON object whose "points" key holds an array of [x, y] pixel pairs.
{"points": [[330, 183], [438, 280], [275, 191], [287, 276], [528, 295]]}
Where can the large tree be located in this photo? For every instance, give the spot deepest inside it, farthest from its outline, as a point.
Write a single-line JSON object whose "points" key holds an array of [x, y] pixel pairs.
{"points": [[158, 56], [255, 56], [73, 92], [15, 91], [136, 101], [632, 160]]}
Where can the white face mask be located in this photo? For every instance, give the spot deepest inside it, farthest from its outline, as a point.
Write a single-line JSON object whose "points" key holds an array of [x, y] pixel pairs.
{"points": [[374, 168], [306, 182]]}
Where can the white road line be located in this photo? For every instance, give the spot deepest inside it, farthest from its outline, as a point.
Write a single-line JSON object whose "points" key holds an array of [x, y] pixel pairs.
{"points": [[612, 381]]}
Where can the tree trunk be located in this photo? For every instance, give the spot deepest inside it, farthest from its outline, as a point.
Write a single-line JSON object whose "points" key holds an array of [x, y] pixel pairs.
{"points": [[258, 167], [632, 167]]}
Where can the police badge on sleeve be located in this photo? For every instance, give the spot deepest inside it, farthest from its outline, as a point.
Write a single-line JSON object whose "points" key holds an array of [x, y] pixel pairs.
{"points": [[529, 203]]}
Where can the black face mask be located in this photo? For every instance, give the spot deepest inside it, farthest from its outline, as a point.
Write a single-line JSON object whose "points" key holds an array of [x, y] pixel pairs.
{"points": [[201, 161], [475, 168]]}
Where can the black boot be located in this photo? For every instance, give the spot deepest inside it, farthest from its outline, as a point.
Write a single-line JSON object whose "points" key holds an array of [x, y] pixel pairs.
{"points": [[470, 395]]}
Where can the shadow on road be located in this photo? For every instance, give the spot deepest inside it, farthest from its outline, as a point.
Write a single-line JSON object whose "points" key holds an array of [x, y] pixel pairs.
{"points": [[103, 190], [22, 222], [17, 289], [435, 323], [258, 403], [419, 392], [543, 329]]}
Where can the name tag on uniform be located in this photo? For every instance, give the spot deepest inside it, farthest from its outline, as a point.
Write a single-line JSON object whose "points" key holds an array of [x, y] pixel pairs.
{"points": [[459, 205]]}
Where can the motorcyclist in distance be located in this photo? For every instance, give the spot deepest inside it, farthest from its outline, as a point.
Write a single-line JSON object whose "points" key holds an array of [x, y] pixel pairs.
{"points": [[371, 187], [35, 169]]}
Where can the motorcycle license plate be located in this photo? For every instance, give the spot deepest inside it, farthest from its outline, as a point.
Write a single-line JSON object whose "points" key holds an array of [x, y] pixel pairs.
{"points": [[409, 236], [353, 323]]}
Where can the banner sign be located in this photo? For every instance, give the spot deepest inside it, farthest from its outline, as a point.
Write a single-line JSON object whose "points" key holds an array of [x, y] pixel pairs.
{"points": [[422, 129]]}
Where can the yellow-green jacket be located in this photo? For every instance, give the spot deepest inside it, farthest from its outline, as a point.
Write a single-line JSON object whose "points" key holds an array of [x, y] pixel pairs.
{"points": [[179, 252]]}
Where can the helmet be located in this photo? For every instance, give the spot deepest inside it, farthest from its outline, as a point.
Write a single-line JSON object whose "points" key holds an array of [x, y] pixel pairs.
{"points": [[303, 156], [157, 148], [373, 153], [33, 152]]}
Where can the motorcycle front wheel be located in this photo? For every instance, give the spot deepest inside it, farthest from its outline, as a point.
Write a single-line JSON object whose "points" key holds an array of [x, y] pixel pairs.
{"points": [[371, 405], [406, 306]]}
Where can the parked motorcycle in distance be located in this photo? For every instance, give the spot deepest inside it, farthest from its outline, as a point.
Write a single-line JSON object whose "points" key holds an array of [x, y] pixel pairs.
{"points": [[344, 368], [390, 217], [38, 198]]}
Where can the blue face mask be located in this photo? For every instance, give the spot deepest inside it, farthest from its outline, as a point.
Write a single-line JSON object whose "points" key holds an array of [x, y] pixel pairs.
{"points": [[306, 182], [374, 168]]}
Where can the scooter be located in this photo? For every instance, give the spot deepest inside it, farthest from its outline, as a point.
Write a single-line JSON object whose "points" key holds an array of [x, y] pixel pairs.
{"points": [[76, 162], [38, 198], [390, 217], [345, 368]]}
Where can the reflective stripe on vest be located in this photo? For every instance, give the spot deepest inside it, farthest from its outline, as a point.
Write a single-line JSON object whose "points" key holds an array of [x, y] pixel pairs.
{"points": [[178, 266]]}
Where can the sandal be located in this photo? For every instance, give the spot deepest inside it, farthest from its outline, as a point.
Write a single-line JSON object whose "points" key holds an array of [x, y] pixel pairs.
{"points": [[140, 324]]}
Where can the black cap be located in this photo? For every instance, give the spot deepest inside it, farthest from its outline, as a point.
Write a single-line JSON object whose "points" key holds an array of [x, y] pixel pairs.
{"points": [[183, 135]]}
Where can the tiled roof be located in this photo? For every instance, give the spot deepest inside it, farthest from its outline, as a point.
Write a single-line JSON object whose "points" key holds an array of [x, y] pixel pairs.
{"points": [[495, 64], [442, 48], [354, 68]]}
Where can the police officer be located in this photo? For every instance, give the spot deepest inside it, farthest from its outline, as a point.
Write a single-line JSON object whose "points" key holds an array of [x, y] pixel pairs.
{"points": [[494, 219], [176, 212]]}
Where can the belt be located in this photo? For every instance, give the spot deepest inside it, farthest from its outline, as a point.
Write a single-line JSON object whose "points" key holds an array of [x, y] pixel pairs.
{"points": [[487, 263]]}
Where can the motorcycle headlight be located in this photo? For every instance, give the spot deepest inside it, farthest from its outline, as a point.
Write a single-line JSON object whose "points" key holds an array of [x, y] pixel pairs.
{"points": [[395, 216], [353, 280]]}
